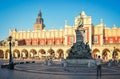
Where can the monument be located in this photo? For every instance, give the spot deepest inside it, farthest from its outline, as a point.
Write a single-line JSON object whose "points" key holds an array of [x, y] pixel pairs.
{"points": [[80, 52], [80, 49]]}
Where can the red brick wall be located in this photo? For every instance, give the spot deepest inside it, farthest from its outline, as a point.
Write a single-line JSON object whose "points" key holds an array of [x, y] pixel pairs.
{"points": [[43, 41], [35, 42], [59, 41], [114, 39], [28, 41]]}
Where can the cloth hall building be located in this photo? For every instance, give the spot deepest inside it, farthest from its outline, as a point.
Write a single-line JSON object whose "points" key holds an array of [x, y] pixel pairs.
{"points": [[40, 43]]}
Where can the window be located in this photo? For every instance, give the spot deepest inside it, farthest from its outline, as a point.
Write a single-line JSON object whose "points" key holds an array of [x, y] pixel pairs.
{"points": [[71, 39], [95, 39], [111, 41]]}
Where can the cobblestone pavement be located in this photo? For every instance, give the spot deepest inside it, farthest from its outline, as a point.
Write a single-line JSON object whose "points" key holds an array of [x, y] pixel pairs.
{"points": [[74, 70], [13, 74], [40, 71]]}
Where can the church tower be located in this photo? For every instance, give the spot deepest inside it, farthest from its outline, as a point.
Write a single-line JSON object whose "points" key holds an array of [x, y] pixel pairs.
{"points": [[39, 25]]}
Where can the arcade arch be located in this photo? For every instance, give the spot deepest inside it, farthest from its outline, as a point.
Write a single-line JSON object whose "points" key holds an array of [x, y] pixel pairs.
{"points": [[1, 54], [116, 54], [16, 53], [51, 53], [32, 53], [7, 54], [60, 53], [24, 54], [96, 53], [106, 55], [42, 54]]}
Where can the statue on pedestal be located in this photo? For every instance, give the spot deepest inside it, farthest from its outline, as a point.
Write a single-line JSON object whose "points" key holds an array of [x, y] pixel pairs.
{"points": [[80, 49]]}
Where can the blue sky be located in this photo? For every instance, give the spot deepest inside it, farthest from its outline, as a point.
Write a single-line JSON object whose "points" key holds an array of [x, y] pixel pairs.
{"points": [[22, 14]]}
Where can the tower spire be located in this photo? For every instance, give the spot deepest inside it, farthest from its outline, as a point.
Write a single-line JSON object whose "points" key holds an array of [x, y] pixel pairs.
{"points": [[39, 25]]}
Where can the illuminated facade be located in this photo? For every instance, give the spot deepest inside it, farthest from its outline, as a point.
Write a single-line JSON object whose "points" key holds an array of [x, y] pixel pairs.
{"points": [[41, 43]]}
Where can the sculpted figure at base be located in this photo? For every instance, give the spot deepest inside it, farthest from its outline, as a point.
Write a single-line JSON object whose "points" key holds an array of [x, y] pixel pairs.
{"points": [[80, 51]]}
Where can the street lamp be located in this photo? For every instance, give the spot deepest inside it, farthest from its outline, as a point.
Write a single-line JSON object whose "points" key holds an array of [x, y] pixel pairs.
{"points": [[114, 52], [11, 64]]}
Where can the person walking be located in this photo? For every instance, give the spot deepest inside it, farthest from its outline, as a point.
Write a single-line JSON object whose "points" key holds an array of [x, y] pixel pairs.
{"points": [[98, 63]]}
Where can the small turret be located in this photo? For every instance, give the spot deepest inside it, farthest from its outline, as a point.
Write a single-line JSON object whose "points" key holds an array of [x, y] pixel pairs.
{"points": [[82, 14]]}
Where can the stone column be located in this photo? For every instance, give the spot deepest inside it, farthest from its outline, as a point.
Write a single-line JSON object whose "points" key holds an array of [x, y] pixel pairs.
{"points": [[20, 55], [64, 55], [29, 55], [101, 53]]}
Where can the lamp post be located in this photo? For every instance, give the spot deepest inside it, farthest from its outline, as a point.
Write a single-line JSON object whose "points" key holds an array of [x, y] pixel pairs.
{"points": [[114, 51], [11, 64]]}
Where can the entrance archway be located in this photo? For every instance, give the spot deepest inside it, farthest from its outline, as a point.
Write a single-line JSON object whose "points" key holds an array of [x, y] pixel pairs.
{"points": [[7, 54], [32, 53], [24, 54], [95, 53], [51, 53], [106, 55], [60, 53], [42, 54], [1, 54], [116, 54], [16, 53]]}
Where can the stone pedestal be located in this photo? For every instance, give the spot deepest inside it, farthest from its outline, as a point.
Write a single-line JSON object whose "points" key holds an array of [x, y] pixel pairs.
{"points": [[81, 61]]}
